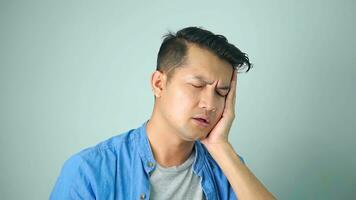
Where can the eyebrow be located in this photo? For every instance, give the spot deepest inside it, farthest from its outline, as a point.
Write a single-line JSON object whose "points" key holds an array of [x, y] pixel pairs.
{"points": [[200, 78]]}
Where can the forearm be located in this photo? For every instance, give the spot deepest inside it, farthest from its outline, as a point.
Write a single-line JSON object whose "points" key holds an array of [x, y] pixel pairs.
{"points": [[242, 180]]}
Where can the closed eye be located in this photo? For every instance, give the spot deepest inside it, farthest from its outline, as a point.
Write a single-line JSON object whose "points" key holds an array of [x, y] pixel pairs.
{"points": [[201, 86], [197, 86], [222, 95]]}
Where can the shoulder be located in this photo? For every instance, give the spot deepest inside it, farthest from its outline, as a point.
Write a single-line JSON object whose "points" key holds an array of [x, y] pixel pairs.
{"points": [[82, 171], [103, 153], [108, 148]]}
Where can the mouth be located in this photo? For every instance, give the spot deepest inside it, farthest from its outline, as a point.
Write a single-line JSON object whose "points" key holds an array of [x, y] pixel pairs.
{"points": [[202, 122]]}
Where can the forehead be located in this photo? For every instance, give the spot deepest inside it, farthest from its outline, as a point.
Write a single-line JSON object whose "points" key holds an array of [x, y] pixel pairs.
{"points": [[203, 64]]}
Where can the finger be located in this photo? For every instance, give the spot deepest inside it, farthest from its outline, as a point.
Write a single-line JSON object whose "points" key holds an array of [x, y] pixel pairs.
{"points": [[233, 88], [230, 99]]}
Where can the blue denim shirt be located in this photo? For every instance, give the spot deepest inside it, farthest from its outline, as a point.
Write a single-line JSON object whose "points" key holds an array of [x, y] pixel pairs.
{"points": [[119, 168]]}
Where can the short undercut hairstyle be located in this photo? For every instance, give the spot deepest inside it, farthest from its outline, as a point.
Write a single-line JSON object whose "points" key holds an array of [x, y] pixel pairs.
{"points": [[173, 50]]}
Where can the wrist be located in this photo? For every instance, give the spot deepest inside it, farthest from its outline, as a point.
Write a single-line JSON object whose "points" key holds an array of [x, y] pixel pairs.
{"points": [[217, 148]]}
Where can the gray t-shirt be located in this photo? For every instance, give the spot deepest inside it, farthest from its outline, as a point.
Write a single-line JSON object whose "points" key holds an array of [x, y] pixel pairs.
{"points": [[177, 182]]}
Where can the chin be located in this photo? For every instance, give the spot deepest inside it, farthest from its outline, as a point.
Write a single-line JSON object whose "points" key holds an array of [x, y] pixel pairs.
{"points": [[193, 137], [200, 136], [193, 133]]}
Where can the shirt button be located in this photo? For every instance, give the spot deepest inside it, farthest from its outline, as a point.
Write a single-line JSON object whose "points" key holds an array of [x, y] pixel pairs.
{"points": [[150, 164], [142, 196]]}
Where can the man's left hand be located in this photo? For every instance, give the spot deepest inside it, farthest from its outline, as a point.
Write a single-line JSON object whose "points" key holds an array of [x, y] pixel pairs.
{"points": [[219, 134]]}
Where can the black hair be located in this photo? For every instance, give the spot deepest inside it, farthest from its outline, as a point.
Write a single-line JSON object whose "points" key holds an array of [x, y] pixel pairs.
{"points": [[173, 50]]}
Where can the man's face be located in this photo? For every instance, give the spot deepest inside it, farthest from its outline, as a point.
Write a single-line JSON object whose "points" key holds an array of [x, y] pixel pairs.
{"points": [[196, 90]]}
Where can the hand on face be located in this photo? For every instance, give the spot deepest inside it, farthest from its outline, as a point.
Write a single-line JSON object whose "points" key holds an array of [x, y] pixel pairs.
{"points": [[219, 133]]}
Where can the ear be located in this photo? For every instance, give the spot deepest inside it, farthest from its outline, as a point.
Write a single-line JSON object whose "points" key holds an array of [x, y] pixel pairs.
{"points": [[158, 82]]}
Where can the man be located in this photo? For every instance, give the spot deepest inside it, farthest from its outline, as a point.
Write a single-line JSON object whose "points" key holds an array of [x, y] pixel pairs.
{"points": [[182, 151]]}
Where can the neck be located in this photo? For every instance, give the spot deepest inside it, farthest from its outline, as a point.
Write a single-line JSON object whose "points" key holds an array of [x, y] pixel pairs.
{"points": [[168, 148]]}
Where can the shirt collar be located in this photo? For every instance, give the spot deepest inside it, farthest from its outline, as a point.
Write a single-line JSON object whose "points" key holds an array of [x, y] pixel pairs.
{"points": [[145, 151]]}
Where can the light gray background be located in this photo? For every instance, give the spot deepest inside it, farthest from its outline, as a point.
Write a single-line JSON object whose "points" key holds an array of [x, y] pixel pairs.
{"points": [[74, 73]]}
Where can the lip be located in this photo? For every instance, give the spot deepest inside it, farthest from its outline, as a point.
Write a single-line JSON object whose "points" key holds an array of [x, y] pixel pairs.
{"points": [[202, 120], [201, 123], [204, 117]]}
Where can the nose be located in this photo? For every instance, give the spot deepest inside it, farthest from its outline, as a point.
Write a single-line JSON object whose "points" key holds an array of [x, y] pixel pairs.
{"points": [[208, 99]]}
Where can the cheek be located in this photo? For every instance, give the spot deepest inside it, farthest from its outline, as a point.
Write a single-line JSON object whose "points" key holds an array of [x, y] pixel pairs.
{"points": [[182, 102]]}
